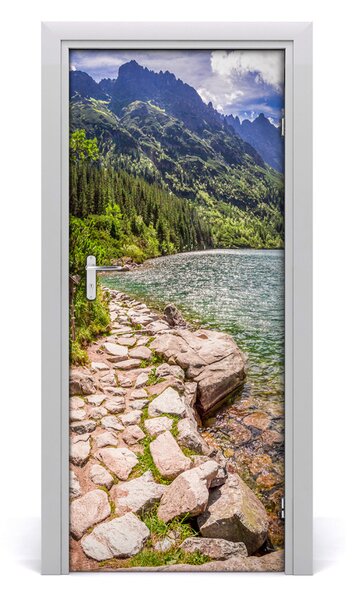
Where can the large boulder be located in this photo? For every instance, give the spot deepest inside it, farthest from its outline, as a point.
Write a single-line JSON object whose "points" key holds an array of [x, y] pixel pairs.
{"points": [[168, 456], [210, 358], [217, 549], [87, 511], [137, 495], [234, 513], [189, 437], [188, 494], [119, 538]]}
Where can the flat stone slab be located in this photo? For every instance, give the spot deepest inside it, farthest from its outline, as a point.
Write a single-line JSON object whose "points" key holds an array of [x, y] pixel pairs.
{"points": [[74, 485], [169, 401], [120, 461], [111, 422], [128, 341], [96, 399], [83, 426], [143, 353], [100, 366], [87, 511], [81, 383], [137, 495], [79, 452], [77, 415], [141, 380], [168, 456], [116, 350], [115, 405], [188, 494], [234, 513], [217, 549], [126, 365], [157, 425], [138, 394], [131, 418], [100, 476], [119, 538], [132, 435], [106, 439], [75, 402], [97, 412]]}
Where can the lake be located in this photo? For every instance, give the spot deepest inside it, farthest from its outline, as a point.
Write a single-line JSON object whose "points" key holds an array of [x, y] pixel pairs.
{"points": [[240, 292], [237, 291]]}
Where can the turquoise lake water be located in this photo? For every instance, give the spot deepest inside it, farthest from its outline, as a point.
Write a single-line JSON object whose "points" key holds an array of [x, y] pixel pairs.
{"points": [[237, 291]]}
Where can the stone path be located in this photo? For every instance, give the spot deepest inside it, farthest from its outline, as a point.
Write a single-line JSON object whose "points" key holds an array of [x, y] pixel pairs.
{"points": [[136, 450]]}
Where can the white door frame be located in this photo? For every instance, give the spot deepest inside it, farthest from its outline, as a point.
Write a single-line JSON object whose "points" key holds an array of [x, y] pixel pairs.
{"points": [[296, 40]]}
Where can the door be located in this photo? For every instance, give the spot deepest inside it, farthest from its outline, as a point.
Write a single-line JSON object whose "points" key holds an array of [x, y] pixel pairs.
{"points": [[176, 262]]}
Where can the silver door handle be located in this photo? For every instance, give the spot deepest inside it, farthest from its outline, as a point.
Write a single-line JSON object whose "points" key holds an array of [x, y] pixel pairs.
{"points": [[91, 269]]}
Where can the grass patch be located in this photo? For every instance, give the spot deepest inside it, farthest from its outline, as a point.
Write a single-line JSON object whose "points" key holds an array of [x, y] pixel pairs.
{"points": [[150, 558], [153, 378], [146, 463], [156, 359], [159, 529]]}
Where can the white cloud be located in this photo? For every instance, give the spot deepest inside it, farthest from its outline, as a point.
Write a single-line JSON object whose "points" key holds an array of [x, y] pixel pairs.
{"points": [[268, 66], [73, 68]]}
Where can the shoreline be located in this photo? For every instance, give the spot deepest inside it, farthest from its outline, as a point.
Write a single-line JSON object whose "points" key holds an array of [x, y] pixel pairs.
{"points": [[134, 322]]}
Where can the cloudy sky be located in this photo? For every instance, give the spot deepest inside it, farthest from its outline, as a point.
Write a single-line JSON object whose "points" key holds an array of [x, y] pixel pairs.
{"points": [[238, 82]]}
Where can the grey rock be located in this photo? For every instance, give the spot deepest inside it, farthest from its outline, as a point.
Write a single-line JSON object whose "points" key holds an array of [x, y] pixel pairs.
{"points": [[141, 380], [83, 426], [81, 383], [112, 422], [119, 461], [173, 316], [131, 418], [137, 495], [75, 403], [100, 366], [133, 434], [166, 370], [221, 476], [169, 401], [77, 415], [210, 358], [79, 452], [127, 365], [235, 514], [100, 476], [188, 493], [115, 405], [158, 425], [143, 353], [189, 436], [97, 412], [88, 510], [74, 485], [138, 394], [121, 538], [119, 352], [106, 439], [96, 399], [217, 549], [168, 456]]}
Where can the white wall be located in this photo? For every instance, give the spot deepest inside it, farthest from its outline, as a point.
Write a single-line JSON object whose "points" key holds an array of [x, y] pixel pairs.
{"points": [[335, 273]]}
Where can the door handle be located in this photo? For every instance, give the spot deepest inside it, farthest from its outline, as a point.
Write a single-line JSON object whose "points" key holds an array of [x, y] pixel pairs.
{"points": [[91, 279]]}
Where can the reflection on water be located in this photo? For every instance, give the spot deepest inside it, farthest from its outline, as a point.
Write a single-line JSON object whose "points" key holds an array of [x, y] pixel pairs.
{"points": [[240, 292]]}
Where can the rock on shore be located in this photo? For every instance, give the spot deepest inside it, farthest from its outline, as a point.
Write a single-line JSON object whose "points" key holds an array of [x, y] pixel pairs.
{"points": [[137, 451], [209, 358]]}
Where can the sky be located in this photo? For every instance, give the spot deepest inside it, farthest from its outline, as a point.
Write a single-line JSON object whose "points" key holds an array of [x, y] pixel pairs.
{"points": [[243, 83]]}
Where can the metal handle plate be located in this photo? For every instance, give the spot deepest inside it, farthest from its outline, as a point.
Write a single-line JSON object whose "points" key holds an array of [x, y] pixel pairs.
{"points": [[91, 282]]}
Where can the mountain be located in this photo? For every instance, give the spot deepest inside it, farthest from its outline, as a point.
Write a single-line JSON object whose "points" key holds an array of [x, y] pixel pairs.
{"points": [[106, 85], [157, 128], [83, 85], [263, 136]]}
